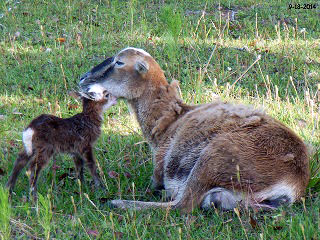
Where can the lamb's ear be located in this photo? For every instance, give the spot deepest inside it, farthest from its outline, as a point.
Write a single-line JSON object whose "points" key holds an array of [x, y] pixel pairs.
{"points": [[74, 94], [142, 67]]}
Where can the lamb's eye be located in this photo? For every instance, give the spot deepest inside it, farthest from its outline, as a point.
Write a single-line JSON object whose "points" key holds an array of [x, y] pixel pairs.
{"points": [[119, 63]]}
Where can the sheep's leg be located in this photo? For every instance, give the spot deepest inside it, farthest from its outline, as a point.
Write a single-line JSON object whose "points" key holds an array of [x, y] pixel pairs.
{"points": [[92, 167], [139, 205], [78, 161], [158, 173], [221, 198], [194, 189], [36, 166], [190, 194], [19, 164]]}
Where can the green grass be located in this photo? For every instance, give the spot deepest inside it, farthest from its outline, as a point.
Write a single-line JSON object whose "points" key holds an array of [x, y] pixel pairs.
{"points": [[5, 214], [37, 68]]}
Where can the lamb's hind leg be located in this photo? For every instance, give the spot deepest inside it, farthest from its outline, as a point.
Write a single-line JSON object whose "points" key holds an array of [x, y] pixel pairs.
{"points": [[39, 161], [19, 164]]}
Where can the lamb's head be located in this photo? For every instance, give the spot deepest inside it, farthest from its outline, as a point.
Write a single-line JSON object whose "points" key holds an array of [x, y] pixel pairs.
{"points": [[128, 74]]}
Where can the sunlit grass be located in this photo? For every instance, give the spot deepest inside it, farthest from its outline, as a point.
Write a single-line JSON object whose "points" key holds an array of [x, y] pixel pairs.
{"points": [[46, 46], [5, 214]]}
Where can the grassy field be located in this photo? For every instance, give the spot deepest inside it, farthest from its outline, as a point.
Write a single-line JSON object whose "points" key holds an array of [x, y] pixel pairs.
{"points": [[263, 54]]}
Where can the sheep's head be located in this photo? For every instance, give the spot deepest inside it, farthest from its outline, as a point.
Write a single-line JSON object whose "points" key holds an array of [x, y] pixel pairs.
{"points": [[127, 75]]}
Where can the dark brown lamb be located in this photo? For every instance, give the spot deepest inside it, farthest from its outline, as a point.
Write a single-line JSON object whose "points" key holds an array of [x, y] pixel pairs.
{"points": [[47, 135]]}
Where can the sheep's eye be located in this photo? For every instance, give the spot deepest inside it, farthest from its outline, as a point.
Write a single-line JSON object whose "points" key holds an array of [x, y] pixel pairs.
{"points": [[105, 94], [119, 63]]}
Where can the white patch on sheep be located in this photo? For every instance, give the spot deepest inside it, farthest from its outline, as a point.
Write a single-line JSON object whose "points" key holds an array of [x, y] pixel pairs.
{"points": [[226, 198], [278, 190], [136, 49], [27, 140], [98, 90]]}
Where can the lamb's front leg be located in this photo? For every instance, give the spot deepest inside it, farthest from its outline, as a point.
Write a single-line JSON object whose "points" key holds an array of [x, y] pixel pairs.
{"points": [[78, 161], [36, 165], [93, 167]]}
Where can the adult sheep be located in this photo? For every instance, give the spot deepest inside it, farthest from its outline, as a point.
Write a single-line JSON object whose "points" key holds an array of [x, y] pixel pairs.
{"points": [[214, 154]]}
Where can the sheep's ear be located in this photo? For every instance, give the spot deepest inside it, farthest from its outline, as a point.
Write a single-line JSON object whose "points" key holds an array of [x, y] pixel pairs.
{"points": [[74, 94], [142, 67]]}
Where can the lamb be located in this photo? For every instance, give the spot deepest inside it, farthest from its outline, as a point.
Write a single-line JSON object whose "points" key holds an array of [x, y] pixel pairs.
{"points": [[47, 135], [215, 154]]}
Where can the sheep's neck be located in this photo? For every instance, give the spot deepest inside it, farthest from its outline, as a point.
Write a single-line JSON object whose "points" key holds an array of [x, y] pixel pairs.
{"points": [[93, 115], [156, 111]]}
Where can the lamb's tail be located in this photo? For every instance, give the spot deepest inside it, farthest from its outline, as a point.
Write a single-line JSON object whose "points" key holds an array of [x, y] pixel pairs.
{"points": [[27, 135]]}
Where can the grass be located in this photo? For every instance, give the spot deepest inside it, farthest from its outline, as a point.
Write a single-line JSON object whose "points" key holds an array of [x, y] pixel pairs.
{"points": [[46, 45], [5, 214]]}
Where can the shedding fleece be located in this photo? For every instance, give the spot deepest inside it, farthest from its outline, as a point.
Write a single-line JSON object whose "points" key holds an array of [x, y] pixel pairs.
{"points": [[215, 154], [171, 108]]}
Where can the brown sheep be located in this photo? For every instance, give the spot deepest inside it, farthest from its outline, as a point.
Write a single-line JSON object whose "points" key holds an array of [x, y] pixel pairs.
{"points": [[47, 135], [211, 154]]}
